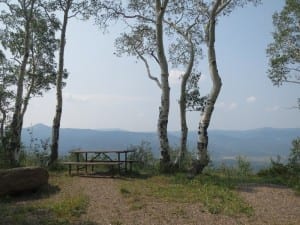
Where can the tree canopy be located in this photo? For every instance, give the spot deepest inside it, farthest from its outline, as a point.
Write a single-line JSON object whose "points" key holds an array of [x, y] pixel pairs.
{"points": [[284, 51]]}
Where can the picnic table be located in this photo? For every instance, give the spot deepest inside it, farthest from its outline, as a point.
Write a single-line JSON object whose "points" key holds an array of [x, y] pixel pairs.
{"points": [[92, 158]]}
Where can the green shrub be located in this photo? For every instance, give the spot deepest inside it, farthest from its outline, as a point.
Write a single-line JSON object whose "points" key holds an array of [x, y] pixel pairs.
{"points": [[288, 174], [37, 154], [4, 155], [294, 157], [3, 158], [144, 157], [240, 171], [182, 164], [243, 167]]}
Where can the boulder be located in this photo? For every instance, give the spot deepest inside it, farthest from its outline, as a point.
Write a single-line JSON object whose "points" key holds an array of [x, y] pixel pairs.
{"points": [[22, 179]]}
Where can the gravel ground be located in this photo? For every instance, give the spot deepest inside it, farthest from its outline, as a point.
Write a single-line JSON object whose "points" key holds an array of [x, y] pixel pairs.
{"points": [[273, 205]]}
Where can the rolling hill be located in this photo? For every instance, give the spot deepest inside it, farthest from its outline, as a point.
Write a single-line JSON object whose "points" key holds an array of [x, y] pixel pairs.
{"points": [[258, 145]]}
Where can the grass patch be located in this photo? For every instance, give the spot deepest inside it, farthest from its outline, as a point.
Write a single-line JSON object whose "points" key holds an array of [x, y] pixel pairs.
{"points": [[133, 199], [124, 191], [213, 192], [116, 222], [69, 206]]}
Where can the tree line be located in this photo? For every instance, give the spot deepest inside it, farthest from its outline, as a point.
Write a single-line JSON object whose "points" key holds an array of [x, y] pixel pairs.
{"points": [[159, 33]]}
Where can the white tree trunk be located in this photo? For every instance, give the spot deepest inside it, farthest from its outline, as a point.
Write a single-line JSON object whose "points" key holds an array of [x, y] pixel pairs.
{"points": [[182, 103], [59, 80], [203, 158], [17, 119], [162, 125]]}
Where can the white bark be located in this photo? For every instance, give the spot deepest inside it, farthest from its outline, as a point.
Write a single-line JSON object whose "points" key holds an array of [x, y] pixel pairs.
{"points": [[59, 80], [17, 119], [182, 101], [165, 95], [203, 158]]}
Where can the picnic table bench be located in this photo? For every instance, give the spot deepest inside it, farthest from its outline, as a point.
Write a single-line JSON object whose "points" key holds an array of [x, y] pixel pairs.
{"points": [[85, 158]]}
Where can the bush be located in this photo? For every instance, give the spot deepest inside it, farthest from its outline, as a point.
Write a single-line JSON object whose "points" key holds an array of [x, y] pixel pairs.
{"points": [[144, 157], [182, 164], [294, 157], [233, 174], [288, 174], [3, 158], [277, 168], [243, 167], [37, 154]]}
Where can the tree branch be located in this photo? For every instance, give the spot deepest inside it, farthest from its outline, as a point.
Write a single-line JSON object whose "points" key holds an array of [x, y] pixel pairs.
{"points": [[165, 3], [294, 69], [124, 15], [223, 6], [155, 79], [292, 81], [154, 56], [181, 17], [176, 28]]}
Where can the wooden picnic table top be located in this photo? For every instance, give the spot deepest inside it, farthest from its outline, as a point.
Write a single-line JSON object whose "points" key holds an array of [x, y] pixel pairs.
{"points": [[101, 151], [93, 163]]}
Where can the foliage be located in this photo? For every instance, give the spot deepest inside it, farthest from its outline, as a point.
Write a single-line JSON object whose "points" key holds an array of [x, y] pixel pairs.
{"points": [[283, 52], [28, 37], [186, 161], [288, 174], [37, 153], [3, 158], [293, 165], [195, 102], [7, 81], [294, 157], [40, 72], [243, 167], [144, 157], [148, 164], [240, 172]]}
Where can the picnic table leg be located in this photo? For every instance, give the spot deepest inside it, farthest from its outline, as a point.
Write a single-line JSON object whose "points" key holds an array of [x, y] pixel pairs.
{"points": [[119, 166], [130, 166], [86, 164], [125, 162], [77, 158], [70, 168]]}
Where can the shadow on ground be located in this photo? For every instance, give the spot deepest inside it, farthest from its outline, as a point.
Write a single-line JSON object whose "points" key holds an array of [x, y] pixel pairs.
{"points": [[43, 192]]}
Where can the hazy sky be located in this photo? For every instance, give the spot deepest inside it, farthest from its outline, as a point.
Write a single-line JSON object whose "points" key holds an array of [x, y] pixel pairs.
{"points": [[104, 91]]}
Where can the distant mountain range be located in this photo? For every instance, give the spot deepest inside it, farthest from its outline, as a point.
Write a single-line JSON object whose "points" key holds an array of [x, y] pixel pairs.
{"points": [[258, 145]]}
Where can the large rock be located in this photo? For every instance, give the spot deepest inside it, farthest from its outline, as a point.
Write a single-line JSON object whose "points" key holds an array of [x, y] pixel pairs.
{"points": [[22, 179]]}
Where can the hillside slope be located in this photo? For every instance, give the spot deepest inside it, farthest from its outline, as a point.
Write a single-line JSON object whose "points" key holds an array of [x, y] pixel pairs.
{"points": [[258, 144]]}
